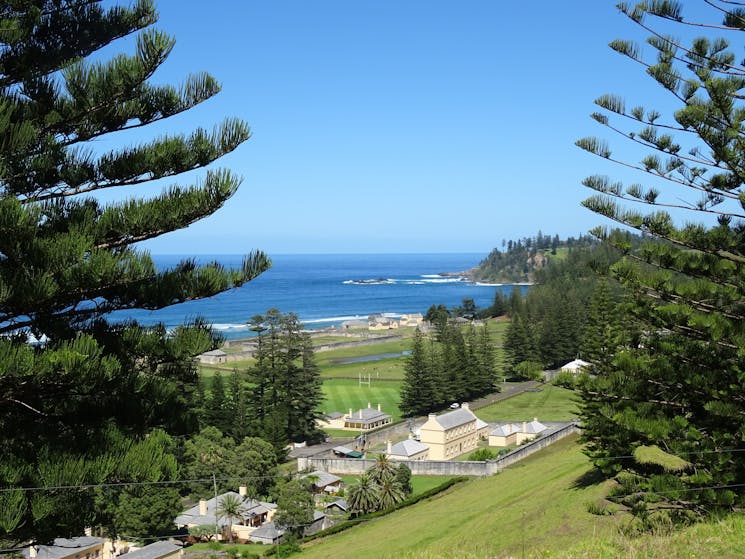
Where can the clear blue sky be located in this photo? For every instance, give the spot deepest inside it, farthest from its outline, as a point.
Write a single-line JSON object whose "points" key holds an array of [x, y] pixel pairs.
{"points": [[398, 126]]}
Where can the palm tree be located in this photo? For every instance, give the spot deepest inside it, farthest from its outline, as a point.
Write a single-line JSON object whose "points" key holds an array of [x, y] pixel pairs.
{"points": [[362, 496], [382, 469], [390, 493], [231, 508]]}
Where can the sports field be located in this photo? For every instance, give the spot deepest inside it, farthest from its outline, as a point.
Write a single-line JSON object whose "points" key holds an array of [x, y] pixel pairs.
{"points": [[342, 394]]}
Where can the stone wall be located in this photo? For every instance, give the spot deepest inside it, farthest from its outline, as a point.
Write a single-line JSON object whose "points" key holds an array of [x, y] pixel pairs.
{"points": [[441, 468]]}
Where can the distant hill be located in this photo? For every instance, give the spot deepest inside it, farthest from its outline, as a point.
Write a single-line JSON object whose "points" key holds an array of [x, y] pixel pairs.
{"points": [[519, 260]]}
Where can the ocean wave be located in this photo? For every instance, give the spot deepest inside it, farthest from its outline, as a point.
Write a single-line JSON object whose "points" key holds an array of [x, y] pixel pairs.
{"points": [[334, 319], [233, 327], [486, 284], [373, 281], [452, 279]]}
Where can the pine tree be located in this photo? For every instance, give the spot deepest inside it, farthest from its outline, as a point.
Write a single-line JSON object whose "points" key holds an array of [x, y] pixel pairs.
{"points": [[674, 402], [418, 390], [79, 402], [286, 380]]}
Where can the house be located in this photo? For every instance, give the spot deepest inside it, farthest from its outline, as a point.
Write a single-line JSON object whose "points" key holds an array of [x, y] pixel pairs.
{"points": [[157, 550], [338, 506], [415, 319], [270, 533], [324, 482], [361, 420], [575, 366], [508, 434], [450, 434], [214, 357], [407, 450], [81, 547], [253, 514], [366, 418], [380, 322]]}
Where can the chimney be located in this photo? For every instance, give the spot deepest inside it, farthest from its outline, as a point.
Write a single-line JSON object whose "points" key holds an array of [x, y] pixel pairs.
{"points": [[411, 436], [202, 507], [465, 406], [379, 407], [389, 446], [535, 419], [369, 405], [360, 413], [32, 551], [242, 490], [432, 416], [350, 413], [525, 427]]}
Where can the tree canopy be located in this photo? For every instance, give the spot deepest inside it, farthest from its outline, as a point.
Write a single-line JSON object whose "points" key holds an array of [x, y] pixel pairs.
{"points": [[73, 409], [667, 414]]}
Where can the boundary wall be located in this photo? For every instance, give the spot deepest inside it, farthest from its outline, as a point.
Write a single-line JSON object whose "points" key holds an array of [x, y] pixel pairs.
{"points": [[356, 466]]}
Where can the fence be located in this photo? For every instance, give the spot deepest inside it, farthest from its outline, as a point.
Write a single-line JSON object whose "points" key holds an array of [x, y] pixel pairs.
{"points": [[442, 468]]}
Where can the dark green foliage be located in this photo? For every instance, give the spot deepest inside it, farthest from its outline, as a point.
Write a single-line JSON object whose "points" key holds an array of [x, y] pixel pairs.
{"points": [[482, 454], [252, 463], [82, 401], [294, 507], [147, 512], [403, 478], [674, 387], [419, 387], [524, 258], [286, 382], [550, 325], [459, 366]]}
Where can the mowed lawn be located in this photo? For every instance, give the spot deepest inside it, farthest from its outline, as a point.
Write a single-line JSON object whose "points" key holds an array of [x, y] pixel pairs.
{"points": [[536, 503], [551, 403], [342, 394]]}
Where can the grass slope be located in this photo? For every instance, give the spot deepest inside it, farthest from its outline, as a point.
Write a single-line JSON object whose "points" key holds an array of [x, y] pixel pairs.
{"points": [[552, 403], [533, 504]]}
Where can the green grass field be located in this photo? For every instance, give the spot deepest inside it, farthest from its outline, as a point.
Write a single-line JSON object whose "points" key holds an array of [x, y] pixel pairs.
{"points": [[342, 394], [552, 403], [534, 501], [534, 509]]}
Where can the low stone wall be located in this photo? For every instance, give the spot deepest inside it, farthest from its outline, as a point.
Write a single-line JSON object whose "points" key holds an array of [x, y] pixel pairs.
{"points": [[366, 341], [354, 466]]}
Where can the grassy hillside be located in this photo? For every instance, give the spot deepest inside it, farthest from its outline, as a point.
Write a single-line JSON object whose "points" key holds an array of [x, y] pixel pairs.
{"points": [[551, 403], [535, 509], [535, 504]]}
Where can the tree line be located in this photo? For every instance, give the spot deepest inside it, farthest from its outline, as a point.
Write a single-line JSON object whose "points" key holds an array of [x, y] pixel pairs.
{"points": [[453, 364]]}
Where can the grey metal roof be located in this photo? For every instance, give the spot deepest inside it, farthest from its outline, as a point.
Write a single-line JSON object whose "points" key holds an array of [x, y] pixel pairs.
{"points": [[154, 551], [339, 503], [504, 430], [455, 418], [215, 353], [62, 547], [268, 531], [251, 507], [408, 448], [368, 415], [334, 415], [324, 478]]}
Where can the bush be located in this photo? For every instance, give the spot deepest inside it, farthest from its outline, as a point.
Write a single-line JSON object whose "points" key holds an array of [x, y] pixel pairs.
{"points": [[565, 379], [482, 454]]}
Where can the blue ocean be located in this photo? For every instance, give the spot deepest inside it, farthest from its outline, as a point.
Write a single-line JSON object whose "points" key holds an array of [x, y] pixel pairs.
{"points": [[326, 289]]}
